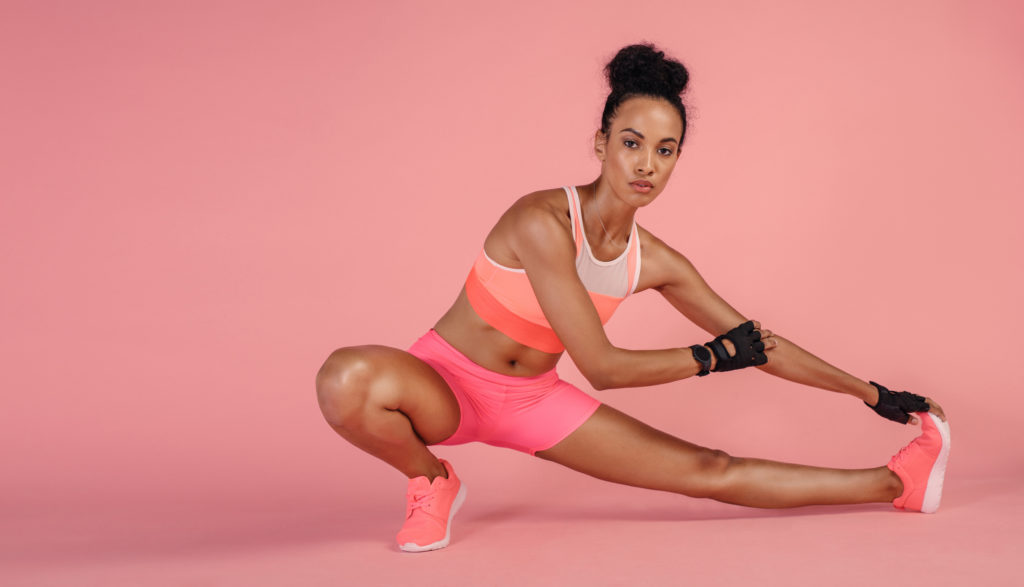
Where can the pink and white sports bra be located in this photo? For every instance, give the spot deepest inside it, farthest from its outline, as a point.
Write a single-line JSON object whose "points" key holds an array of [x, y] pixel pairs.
{"points": [[503, 297]]}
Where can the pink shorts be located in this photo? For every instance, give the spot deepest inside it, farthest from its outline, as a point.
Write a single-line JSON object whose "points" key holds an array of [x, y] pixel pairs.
{"points": [[528, 414]]}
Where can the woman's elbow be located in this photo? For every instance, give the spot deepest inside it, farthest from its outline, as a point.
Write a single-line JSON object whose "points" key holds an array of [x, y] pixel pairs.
{"points": [[598, 368], [600, 377], [598, 383]]}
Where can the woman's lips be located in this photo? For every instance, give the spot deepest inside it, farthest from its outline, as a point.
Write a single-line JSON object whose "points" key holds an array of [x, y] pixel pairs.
{"points": [[642, 186]]}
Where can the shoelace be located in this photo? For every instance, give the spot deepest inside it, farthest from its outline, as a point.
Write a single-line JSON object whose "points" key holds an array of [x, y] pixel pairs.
{"points": [[902, 455], [420, 501]]}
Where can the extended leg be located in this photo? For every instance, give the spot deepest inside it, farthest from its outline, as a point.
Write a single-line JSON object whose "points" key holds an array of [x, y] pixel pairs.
{"points": [[615, 447]]}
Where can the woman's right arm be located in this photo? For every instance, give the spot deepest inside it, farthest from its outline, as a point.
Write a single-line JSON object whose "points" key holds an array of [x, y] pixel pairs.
{"points": [[547, 253]]}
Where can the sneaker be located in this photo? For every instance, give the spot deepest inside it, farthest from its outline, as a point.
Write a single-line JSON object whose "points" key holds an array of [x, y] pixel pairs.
{"points": [[429, 510], [921, 465]]}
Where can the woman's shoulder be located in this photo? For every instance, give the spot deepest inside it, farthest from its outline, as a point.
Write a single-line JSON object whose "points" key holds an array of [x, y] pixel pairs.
{"points": [[549, 200], [660, 261], [653, 248], [647, 238], [539, 207], [540, 216]]}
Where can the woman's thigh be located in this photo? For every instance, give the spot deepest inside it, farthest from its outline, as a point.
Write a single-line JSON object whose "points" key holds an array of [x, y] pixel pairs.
{"points": [[616, 447], [356, 382]]}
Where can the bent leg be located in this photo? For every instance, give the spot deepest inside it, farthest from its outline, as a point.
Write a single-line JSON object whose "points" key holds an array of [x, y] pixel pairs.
{"points": [[618, 448], [390, 404]]}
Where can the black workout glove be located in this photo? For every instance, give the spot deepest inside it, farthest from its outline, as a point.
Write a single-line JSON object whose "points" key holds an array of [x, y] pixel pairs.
{"points": [[897, 405], [749, 348]]}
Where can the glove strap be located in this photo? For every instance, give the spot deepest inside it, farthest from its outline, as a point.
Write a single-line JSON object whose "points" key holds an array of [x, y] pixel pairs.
{"points": [[721, 354]]}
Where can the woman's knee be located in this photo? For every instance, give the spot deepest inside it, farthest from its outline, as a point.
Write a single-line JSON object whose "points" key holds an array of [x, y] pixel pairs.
{"points": [[344, 385], [710, 475]]}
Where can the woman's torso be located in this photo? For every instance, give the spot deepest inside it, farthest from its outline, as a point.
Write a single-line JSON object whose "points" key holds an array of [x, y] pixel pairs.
{"points": [[484, 344]]}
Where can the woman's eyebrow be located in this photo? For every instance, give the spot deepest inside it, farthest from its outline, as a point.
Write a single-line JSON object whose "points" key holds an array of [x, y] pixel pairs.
{"points": [[641, 135]]}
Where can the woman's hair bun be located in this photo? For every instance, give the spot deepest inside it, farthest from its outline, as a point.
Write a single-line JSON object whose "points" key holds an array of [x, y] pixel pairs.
{"points": [[643, 69]]}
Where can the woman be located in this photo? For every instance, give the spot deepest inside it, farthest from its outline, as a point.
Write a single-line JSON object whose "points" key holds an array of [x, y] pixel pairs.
{"points": [[551, 272]]}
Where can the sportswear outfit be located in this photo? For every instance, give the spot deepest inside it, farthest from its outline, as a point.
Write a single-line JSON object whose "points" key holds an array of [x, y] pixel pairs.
{"points": [[528, 414], [531, 414]]}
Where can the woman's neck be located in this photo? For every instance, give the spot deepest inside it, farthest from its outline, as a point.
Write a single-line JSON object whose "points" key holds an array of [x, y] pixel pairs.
{"points": [[605, 217]]}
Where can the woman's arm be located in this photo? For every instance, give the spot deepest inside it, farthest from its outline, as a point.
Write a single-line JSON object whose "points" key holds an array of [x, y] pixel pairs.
{"points": [[541, 243], [671, 274], [678, 281]]}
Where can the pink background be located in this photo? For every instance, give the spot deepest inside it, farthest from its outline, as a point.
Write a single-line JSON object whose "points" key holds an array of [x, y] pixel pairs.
{"points": [[201, 201]]}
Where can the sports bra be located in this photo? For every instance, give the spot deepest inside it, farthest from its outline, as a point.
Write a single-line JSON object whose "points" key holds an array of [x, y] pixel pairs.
{"points": [[504, 298]]}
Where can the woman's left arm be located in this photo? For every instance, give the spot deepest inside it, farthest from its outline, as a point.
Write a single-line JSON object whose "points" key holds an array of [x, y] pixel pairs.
{"points": [[672, 275]]}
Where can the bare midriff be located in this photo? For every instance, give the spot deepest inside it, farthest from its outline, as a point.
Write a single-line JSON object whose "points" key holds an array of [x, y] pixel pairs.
{"points": [[465, 330]]}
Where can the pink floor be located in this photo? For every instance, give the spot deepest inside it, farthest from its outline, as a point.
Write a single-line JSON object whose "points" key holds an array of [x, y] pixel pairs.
{"points": [[557, 528]]}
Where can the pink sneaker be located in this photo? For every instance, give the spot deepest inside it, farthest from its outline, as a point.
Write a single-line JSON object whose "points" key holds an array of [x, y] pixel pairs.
{"points": [[429, 510], [921, 465]]}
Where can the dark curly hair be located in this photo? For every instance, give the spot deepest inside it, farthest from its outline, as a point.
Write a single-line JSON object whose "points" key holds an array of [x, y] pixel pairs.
{"points": [[643, 70]]}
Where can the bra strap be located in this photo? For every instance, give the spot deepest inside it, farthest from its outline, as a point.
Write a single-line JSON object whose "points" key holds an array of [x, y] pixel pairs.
{"points": [[576, 216]]}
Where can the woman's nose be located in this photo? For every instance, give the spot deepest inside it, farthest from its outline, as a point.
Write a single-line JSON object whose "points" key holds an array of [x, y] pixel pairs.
{"points": [[645, 164]]}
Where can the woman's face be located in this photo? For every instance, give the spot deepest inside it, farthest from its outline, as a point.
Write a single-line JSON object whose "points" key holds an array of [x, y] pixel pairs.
{"points": [[640, 150]]}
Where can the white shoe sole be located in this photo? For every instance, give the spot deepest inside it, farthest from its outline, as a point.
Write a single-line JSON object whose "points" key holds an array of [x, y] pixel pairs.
{"points": [[933, 491], [413, 547]]}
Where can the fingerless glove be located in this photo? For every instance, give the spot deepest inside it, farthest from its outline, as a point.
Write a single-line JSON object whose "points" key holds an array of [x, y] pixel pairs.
{"points": [[897, 405], [749, 348]]}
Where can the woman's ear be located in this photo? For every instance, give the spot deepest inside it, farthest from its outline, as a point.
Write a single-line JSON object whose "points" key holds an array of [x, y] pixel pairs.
{"points": [[600, 144]]}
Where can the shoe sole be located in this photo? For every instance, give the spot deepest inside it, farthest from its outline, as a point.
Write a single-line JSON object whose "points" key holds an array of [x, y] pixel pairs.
{"points": [[933, 491], [413, 547]]}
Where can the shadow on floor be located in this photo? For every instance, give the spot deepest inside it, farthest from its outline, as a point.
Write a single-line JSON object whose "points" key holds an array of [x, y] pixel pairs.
{"points": [[220, 526]]}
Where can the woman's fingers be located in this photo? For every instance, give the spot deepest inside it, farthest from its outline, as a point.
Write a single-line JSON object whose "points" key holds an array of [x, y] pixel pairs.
{"points": [[767, 337], [936, 409], [933, 408]]}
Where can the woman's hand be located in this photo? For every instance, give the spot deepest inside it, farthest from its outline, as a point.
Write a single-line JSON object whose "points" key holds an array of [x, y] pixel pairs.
{"points": [[749, 334], [900, 406], [767, 337], [935, 408]]}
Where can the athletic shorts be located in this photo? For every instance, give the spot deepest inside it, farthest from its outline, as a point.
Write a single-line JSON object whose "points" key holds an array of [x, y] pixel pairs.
{"points": [[528, 414]]}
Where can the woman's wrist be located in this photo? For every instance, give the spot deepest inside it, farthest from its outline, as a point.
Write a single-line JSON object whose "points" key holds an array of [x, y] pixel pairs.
{"points": [[868, 393], [703, 357]]}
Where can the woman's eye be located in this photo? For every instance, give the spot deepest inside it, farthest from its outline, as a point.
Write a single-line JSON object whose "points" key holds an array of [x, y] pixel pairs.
{"points": [[665, 151], [629, 143]]}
